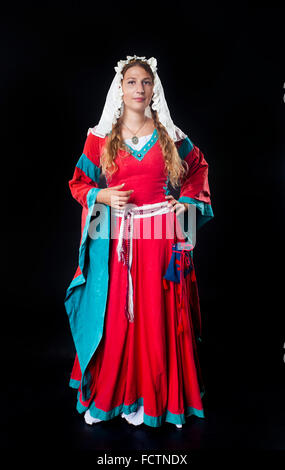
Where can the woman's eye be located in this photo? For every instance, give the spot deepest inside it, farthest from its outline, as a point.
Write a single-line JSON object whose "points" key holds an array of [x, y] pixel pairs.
{"points": [[132, 81]]}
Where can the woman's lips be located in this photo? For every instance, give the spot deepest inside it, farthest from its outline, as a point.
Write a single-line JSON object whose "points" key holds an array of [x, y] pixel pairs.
{"points": [[139, 99]]}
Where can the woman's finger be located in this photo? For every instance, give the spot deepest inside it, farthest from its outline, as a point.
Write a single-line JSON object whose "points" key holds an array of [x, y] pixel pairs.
{"points": [[170, 198], [174, 206], [178, 207], [171, 202]]}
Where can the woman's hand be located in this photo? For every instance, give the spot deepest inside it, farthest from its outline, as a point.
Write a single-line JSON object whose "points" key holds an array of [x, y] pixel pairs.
{"points": [[114, 197], [178, 207]]}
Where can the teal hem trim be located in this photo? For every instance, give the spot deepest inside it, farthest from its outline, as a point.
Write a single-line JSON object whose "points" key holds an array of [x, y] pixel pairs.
{"points": [[205, 210], [185, 148], [89, 168], [74, 383], [153, 421], [139, 154]]}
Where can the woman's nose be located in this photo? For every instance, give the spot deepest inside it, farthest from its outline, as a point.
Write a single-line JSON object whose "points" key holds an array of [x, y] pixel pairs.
{"points": [[140, 88]]}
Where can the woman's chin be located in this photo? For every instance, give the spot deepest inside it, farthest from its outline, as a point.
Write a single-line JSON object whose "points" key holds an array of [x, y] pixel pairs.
{"points": [[137, 106]]}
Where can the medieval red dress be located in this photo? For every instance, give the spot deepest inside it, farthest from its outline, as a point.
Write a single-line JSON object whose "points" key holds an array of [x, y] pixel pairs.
{"points": [[152, 360]]}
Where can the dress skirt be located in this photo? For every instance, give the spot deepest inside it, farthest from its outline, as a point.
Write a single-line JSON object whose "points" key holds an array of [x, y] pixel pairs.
{"points": [[148, 361]]}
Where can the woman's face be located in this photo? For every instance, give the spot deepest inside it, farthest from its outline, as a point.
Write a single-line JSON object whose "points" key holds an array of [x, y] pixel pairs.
{"points": [[137, 86]]}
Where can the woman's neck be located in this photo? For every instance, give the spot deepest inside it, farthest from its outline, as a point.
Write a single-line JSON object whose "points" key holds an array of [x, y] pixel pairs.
{"points": [[133, 119]]}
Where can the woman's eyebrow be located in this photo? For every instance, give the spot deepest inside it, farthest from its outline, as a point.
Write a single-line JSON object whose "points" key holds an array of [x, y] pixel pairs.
{"points": [[145, 78]]}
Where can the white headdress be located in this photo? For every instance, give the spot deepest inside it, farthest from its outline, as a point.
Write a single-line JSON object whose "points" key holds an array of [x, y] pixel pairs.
{"points": [[114, 105]]}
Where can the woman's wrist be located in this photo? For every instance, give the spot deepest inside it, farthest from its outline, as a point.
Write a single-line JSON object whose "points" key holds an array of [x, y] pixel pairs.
{"points": [[99, 196]]}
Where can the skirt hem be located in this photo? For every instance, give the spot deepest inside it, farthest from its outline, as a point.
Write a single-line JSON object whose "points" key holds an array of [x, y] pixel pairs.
{"points": [[153, 421]]}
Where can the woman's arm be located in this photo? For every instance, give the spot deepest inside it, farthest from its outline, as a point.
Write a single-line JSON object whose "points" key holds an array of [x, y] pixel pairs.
{"points": [[84, 183], [195, 187], [87, 172]]}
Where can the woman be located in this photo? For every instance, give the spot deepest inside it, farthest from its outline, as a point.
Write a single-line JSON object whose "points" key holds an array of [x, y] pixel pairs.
{"points": [[133, 303]]}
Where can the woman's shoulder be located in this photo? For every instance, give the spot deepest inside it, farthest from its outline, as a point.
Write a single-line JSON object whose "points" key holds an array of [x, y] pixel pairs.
{"points": [[95, 139], [95, 134]]}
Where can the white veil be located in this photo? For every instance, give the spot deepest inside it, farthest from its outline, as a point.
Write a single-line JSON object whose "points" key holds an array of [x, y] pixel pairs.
{"points": [[114, 105]]}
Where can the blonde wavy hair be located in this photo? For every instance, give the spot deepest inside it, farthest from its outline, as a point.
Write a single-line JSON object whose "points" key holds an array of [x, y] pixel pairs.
{"points": [[175, 167]]}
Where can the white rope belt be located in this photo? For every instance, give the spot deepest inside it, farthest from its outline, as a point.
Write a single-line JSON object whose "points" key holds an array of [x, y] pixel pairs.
{"points": [[125, 245]]}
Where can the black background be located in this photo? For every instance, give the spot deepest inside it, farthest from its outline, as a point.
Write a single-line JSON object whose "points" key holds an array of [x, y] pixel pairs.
{"points": [[223, 77]]}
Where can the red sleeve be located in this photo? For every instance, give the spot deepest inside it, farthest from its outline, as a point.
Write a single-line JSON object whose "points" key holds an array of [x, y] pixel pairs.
{"points": [[195, 186], [87, 171]]}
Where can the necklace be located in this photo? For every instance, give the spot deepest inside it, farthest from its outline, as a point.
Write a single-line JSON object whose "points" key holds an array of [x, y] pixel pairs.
{"points": [[135, 139]]}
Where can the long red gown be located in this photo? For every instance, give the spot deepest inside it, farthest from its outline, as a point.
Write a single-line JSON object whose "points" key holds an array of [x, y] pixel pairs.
{"points": [[146, 362]]}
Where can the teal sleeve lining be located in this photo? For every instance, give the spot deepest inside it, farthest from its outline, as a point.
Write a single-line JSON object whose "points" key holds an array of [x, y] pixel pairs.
{"points": [[205, 211]]}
